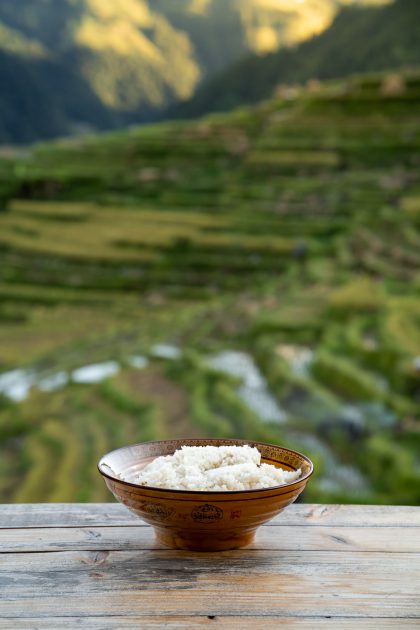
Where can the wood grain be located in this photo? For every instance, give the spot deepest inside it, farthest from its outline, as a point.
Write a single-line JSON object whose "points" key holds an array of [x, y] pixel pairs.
{"points": [[81, 514], [98, 567], [203, 621], [243, 582], [279, 538]]}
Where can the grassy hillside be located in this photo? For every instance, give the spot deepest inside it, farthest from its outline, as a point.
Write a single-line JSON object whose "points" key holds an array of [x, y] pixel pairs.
{"points": [[69, 66], [288, 232], [360, 39]]}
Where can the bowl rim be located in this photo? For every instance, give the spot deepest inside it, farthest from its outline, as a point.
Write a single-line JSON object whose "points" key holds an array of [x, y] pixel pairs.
{"points": [[235, 442]]}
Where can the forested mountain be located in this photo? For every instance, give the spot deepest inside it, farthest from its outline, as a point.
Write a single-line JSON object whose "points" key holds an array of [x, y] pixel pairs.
{"points": [[360, 39], [68, 66]]}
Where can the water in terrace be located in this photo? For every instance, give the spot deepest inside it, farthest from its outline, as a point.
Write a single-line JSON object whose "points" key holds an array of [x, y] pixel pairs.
{"points": [[252, 389]]}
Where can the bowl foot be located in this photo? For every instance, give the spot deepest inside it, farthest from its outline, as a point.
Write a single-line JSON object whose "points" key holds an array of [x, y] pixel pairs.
{"points": [[203, 541]]}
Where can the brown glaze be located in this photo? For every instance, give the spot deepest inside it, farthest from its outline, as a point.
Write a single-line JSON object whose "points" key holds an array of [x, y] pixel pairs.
{"points": [[201, 521]]}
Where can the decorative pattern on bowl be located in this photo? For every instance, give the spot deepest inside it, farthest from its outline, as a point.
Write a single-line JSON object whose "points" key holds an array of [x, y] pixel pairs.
{"points": [[197, 520]]}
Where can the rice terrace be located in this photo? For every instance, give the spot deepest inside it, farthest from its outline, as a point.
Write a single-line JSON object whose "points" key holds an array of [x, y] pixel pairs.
{"points": [[249, 273]]}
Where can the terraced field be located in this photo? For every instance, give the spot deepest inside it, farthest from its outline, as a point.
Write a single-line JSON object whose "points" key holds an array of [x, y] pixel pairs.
{"points": [[253, 275]]}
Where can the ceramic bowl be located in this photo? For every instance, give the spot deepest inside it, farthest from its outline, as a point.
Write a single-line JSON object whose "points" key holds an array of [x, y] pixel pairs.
{"points": [[201, 521]]}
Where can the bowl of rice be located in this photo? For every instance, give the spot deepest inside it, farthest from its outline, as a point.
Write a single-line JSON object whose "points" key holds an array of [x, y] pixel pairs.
{"points": [[205, 494]]}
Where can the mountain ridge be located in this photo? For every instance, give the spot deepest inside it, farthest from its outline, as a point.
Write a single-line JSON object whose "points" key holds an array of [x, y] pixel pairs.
{"points": [[124, 62], [360, 39]]}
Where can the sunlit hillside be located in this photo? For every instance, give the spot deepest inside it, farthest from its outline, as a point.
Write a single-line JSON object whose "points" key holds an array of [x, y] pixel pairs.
{"points": [[265, 24], [70, 66], [359, 39]]}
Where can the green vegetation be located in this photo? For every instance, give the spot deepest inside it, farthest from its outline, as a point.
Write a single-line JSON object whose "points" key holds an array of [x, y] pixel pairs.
{"points": [[358, 296], [287, 231], [360, 39], [73, 66]]}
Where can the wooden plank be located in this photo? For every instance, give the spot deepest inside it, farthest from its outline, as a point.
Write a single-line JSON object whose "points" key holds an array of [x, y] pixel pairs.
{"points": [[313, 567], [243, 582], [65, 514], [187, 623], [89, 514], [280, 537]]}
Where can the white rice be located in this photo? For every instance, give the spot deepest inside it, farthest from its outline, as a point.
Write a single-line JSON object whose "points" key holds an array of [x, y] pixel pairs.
{"points": [[214, 468]]}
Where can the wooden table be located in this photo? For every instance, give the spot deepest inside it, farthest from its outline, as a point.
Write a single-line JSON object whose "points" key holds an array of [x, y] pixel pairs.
{"points": [[96, 566]]}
